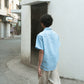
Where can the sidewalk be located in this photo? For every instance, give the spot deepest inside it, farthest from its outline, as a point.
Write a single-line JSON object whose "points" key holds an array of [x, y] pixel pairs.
{"points": [[29, 75], [15, 37]]}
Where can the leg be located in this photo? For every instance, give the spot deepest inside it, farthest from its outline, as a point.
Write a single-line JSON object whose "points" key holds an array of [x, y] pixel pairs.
{"points": [[54, 77]]}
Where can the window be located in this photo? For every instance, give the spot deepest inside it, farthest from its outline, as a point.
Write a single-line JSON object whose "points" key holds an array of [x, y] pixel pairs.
{"points": [[6, 3]]}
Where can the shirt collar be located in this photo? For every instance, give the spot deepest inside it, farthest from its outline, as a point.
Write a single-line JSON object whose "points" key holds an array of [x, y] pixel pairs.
{"points": [[47, 28]]}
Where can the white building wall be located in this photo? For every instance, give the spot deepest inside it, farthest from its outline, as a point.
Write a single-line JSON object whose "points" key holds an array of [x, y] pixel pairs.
{"points": [[14, 7], [3, 10], [26, 35], [69, 24]]}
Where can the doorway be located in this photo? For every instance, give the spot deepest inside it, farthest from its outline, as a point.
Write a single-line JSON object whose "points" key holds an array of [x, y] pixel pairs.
{"points": [[36, 12]]}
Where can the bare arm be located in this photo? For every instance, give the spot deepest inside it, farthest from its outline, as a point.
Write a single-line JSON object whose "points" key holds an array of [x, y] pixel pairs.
{"points": [[41, 53]]}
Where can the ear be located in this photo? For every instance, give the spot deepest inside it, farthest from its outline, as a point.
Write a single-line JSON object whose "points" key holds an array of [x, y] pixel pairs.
{"points": [[42, 25]]}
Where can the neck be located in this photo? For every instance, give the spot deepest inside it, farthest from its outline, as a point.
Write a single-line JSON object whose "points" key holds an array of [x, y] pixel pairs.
{"points": [[44, 27]]}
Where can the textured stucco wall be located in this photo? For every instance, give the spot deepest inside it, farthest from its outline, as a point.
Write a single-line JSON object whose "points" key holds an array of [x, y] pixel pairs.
{"points": [[69, 24]]}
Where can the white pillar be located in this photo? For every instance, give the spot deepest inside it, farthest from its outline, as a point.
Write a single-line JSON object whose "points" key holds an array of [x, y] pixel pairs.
{"points": [[1, 30], [8, 30], [26, 34]]}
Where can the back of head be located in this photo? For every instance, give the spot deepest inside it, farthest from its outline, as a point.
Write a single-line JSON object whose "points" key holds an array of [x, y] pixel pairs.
{"points": [[46, 20]]}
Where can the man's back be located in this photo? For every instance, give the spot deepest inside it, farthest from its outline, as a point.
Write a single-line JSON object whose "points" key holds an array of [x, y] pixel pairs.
{"points": [[48, 41]]}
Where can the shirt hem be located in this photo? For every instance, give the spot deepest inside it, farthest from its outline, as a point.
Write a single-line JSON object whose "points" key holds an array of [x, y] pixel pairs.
{"points": [[38, 48], [47, 69]]}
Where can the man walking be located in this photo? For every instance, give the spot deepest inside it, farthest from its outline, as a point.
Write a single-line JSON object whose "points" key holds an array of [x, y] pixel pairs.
{"points": [[48, 44]]}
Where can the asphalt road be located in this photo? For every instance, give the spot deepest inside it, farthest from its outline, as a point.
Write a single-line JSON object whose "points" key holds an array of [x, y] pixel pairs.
{"points": [[9, 49]]}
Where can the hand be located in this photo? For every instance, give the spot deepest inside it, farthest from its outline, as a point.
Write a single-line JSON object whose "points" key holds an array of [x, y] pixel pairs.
{"points": [[39, 72]]}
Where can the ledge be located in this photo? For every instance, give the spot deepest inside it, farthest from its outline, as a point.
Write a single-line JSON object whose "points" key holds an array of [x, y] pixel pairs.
{"points": [[16, 11], [31, 2]]}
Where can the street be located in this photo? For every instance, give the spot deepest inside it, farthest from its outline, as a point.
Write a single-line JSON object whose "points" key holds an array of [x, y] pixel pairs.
{"points": [[9, 49], [12, 71]]}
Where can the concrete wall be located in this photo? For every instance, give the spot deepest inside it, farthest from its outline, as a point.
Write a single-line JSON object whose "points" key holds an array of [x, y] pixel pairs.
{"points": [[69, 24], [3, 10], [13, 6], [26, 34]]}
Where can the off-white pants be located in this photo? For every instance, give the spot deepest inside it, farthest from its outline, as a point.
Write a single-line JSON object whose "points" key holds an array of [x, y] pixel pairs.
{"points": [[49, 77]]}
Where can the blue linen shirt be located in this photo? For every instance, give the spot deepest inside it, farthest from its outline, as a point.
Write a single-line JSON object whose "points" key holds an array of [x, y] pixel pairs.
{"points": [[48, 41]]}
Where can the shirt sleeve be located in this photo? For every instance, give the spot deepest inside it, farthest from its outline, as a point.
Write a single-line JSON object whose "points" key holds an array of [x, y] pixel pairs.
{"points": [[39, 42]]}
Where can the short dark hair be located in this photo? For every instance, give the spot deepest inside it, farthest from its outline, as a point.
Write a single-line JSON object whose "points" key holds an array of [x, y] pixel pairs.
{"points": [[46, 20]]}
